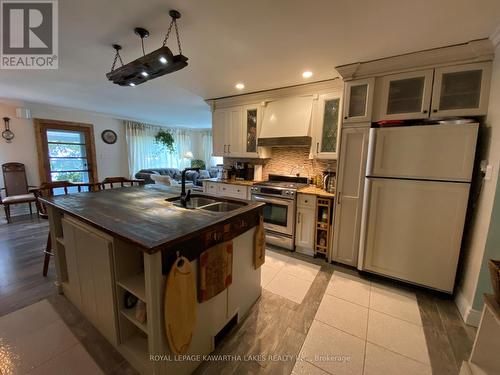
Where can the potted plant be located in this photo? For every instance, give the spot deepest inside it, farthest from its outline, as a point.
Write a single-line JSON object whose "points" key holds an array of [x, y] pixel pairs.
{"points": [[165, 138]]}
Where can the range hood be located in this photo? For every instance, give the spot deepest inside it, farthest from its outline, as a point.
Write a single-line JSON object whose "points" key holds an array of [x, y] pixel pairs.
{"points": [[287, 122]]}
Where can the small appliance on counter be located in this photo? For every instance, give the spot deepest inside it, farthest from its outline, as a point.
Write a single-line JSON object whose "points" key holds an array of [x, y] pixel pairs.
{"points": [[226, 174], [220, 169], [244, 171], [329, 181], [240, 170]]}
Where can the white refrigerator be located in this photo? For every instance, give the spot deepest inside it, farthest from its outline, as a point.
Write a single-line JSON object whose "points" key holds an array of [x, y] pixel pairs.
{"points": [[415, 202]]}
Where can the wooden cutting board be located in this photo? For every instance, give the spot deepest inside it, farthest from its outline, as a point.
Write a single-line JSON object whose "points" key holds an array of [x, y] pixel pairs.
{"points": [[215, 270], [180, 306]]}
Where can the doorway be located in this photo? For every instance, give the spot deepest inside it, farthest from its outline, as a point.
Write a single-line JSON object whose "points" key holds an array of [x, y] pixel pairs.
{"points": [[66, 151]]}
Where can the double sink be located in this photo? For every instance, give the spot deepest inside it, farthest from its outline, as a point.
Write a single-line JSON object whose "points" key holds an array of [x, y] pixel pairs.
{"points": [[201, 202]]}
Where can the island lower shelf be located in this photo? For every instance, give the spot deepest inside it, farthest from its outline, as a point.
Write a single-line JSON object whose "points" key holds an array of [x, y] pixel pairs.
{"points": [[96, 271]]}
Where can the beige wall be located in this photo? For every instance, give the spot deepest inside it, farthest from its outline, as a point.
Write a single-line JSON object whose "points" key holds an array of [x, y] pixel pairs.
{"points": [[111, 159], [474, 251]]}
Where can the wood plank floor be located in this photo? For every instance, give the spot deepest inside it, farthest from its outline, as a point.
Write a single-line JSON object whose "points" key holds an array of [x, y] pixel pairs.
{"points": [[21, 259], [275, 325]]}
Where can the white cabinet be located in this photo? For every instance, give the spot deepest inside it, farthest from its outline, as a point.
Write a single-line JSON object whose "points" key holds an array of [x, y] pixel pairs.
{"points": [[461, 90], [305, 223], [219, 141], [227, 132], [90, 275], [358, 100], [235, 131], [227, 190], [233, 191], [349, 200], [252, 123], [326, 125], [406, 95]]}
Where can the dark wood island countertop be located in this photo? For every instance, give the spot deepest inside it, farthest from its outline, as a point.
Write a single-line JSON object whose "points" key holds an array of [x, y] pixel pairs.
{"points": [[141, 215]]}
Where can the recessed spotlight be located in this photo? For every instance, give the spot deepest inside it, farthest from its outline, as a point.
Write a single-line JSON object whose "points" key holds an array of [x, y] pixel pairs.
{"points": [[131, 84], [307, 74], [240, 86], [163, 60], [144, 74]]}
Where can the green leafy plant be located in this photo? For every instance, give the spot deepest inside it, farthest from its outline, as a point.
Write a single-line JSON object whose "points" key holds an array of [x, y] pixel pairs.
{"points": [[196, 163], [165, 138]]}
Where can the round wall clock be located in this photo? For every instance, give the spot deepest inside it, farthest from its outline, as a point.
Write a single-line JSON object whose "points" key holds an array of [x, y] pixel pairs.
{"points": [[109, 136]]}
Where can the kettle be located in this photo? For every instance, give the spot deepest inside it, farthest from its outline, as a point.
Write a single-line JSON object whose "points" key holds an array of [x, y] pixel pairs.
{"points": [[329, 181]]}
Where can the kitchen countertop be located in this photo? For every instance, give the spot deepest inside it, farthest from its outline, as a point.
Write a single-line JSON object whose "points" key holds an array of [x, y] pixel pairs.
{"points": [[142, 216], [232, 182], [313, 190]]}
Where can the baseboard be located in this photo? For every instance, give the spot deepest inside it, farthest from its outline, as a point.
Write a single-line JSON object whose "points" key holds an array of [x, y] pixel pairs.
{"points": [[470, 316]]}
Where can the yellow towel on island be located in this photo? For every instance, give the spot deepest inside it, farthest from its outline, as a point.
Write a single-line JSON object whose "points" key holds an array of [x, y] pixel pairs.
{"points": [[215, 270], [259, 247]]}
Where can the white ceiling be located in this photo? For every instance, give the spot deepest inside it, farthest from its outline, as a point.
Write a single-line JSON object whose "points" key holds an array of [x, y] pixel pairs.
{"points": [[263, 43]]}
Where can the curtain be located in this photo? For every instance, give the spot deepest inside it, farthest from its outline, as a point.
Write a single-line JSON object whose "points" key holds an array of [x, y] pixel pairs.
{"points": [[206, 150], [144, 152]]}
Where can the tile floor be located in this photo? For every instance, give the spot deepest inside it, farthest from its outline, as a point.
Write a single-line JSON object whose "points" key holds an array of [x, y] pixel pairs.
{"points": [[363, 327], [34, 340], [329, 318], [287, 277]]}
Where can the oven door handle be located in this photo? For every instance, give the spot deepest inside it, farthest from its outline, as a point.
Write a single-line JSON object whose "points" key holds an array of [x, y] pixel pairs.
{"points": [[285, 202]]}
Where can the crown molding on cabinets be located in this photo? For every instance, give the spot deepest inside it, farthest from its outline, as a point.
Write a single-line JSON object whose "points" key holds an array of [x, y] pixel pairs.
{"points": [[473, 51], [316, 88], [495, 37]]}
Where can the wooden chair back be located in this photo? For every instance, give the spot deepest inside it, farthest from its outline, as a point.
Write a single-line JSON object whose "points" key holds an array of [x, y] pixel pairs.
{"points": [[112, 182], [48, 189], [14, 178]]}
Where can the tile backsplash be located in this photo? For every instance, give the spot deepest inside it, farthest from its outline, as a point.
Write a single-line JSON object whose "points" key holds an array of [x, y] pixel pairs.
{"points": [[288, 161]]}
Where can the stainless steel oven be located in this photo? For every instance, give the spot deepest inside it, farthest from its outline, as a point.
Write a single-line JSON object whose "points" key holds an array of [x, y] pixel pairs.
{"points": [[279, 216]]}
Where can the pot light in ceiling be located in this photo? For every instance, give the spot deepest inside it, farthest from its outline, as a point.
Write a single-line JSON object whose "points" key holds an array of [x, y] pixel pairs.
{"points": [[240, 86], [155, 64], [307, 74]]}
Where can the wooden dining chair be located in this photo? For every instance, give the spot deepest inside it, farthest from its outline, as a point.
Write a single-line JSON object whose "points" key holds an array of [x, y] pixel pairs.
{"points": [[49, 189], [112, 182], [16, 187]]}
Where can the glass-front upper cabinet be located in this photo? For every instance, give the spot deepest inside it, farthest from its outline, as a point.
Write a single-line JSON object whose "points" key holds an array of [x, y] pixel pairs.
{"points": [[406, 95], [327, 126], [358, 100], [252, 119], [461, 90]]}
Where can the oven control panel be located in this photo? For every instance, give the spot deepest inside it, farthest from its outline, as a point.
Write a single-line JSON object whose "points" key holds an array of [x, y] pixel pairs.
{"points": [[273, 191]]}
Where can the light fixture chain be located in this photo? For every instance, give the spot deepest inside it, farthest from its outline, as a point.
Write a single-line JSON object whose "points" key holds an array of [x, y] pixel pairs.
{"points": [[117, 56], [178, 38], [168, 32]]}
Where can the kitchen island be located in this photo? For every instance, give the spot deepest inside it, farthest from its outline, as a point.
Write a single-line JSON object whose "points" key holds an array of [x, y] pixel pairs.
{"points": [[118, 243]]}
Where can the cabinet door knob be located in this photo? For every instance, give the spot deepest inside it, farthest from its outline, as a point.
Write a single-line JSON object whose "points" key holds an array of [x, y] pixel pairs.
{"points": [[346, 117], [424, 111], [434, 110], [317, 147]]}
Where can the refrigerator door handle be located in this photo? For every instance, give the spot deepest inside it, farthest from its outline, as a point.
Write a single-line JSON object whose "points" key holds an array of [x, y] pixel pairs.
{"points": [[364, 223], [372, 139]]}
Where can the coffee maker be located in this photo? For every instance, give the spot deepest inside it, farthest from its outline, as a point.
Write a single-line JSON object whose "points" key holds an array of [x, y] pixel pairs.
{"points": [[243, 171], [329, 181]]}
